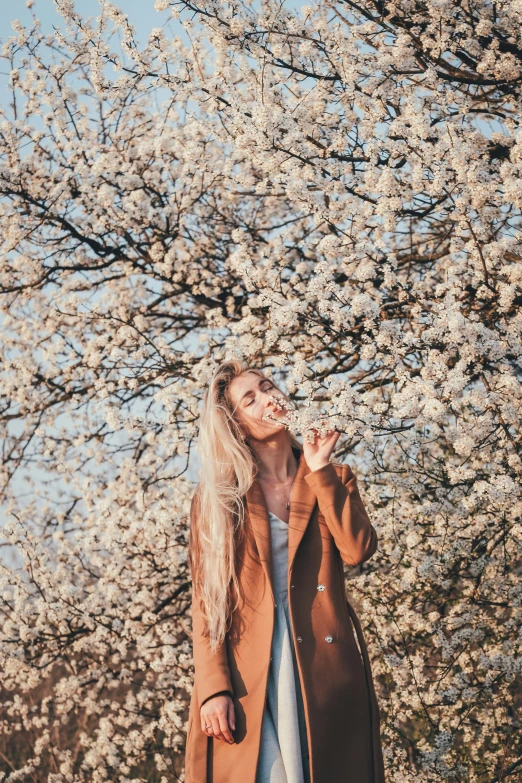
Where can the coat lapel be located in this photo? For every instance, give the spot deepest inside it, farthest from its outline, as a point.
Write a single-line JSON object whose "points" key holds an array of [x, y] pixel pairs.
{"points": [[302, 502], [258, 514]]}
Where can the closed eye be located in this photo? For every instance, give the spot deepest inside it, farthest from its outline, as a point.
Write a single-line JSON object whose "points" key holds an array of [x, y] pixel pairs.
{"points": [[267, 388]]}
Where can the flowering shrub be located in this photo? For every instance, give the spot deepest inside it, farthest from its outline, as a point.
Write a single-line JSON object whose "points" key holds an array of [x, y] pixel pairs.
{"points": [[332, 193]]}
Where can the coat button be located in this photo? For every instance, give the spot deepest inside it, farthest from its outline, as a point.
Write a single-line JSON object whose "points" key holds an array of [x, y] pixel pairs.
{"points": [[320, 588], [292, 585], [299, 639], [328, 639]]}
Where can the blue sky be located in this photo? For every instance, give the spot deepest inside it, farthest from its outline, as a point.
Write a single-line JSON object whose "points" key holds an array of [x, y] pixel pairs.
{"points": [[141, 14]]}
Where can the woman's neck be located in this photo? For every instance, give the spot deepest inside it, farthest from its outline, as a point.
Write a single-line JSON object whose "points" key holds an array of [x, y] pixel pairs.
{"points": [[277, 462]]}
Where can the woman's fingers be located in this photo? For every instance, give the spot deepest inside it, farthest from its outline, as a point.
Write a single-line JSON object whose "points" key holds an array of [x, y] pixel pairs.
{"points": [[231, 716], [206, 726], [216, 728], [224, 727], [209, 724], [322, 440]]}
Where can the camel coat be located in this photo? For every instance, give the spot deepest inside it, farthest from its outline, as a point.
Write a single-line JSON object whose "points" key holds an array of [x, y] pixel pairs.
{"points": [[328, 524]]}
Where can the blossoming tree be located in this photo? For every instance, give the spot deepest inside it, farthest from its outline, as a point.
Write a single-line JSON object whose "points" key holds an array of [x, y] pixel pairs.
{"points": [[331, 192]]}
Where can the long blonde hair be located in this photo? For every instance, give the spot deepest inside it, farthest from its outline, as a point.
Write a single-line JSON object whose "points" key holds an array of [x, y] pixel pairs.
{"points": [[228, 468]]}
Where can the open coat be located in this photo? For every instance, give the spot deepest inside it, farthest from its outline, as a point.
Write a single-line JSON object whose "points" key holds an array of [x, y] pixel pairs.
{"points": [[328, 524]]}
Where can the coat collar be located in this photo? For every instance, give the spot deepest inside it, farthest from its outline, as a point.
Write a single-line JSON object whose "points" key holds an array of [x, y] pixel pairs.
{"points": [[302, 502]]}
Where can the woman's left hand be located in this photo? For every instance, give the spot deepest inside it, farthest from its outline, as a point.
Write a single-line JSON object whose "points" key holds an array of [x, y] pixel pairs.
{"points": [[317, 454]]}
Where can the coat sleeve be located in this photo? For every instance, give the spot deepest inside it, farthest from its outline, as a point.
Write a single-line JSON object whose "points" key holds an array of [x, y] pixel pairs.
{"points": [[344, 512], [212, 672]]}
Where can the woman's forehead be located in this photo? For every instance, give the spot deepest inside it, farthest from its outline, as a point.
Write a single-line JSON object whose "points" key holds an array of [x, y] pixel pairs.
{"points": [[244, 382]]}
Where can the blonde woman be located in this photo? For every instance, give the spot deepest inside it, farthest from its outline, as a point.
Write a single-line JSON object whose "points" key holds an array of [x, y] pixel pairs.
{"points": [[281, 691]]}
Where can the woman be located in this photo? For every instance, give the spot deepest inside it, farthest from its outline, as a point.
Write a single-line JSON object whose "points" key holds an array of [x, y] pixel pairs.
{"points": [[281, 693]]}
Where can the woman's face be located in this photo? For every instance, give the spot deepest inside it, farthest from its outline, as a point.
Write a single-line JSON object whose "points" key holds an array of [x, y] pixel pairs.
{"points": [[250, 396]]}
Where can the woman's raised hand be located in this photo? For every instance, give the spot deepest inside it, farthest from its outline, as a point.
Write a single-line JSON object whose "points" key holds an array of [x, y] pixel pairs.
{"points": [[317, 454], [218, 715]]}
